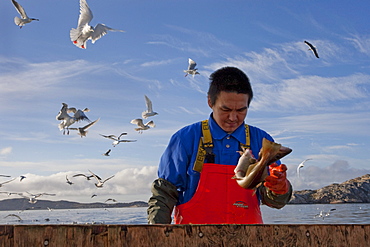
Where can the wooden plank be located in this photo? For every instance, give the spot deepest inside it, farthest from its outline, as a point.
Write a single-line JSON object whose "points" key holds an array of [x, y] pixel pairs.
{"points": [[184, 235]]}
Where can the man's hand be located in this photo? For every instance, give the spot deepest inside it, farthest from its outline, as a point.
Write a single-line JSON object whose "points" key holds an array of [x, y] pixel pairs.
{"points": [[276, 181]]}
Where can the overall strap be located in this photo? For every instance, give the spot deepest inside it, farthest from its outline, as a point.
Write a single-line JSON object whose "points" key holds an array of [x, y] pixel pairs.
{"points": [[206, 145], [204, 148]]}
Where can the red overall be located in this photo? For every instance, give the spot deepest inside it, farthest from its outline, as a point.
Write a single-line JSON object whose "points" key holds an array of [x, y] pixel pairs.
{"points": [[219, 200]]}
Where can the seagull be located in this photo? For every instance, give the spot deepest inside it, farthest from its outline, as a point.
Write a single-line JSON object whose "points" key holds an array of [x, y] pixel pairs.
{"points": [[25, 19], [5, 176], [14, 215], [84, 31], [33, 197], [301, 165], [88, 177], [312, 48], [82, 131], [107, 153], [21, 178], [1, 184], [117, 140], [67, 120], [141, 125], [323, 214], [111, 199], [149, 109], [191, 69], [100, 183], [68, 181]]}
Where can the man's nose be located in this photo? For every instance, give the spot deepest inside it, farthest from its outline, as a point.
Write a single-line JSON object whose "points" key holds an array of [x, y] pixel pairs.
{"points": [[232, 116]]}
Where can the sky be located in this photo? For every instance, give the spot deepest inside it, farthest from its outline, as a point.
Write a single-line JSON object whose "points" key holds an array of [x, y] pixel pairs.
{"points": [[319, 107]]}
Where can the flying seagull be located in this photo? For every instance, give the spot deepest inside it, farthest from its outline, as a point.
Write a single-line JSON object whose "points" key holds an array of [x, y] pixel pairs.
{"points": [[141, 125], [82, 131], [110, 199], [84, 31], [117, 140], [191, 68], [107, 153], [100, 183], [14, 215], [33, 197], [149, 109], [312, 48], [67, 120], [301, 165], [21, 178], [24, 18]]}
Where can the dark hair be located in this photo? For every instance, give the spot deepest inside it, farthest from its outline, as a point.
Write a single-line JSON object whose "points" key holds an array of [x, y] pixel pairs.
{"points": [[231, 80]]}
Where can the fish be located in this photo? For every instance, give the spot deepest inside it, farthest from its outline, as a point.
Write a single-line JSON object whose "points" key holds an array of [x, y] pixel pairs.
{"points": [[250, 172]]}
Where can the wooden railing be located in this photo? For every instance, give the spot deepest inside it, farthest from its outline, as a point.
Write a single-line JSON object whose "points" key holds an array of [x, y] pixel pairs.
{"points": [[184, 235]]}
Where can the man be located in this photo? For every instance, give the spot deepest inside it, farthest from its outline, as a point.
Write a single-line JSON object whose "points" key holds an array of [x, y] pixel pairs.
{"points": [[195, 171]]}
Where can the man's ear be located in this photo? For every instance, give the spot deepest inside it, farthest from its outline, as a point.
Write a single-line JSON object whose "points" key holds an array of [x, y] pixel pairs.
{"points": [[209, 102]]}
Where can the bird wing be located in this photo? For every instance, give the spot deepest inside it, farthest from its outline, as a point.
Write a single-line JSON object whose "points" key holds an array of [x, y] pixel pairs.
{"points": [[127, 141], [312, 48], [85, 15], [90, 124], [192, 64], [151, 124], [112, 137], [100, 30], [108, 178], [148, 103], [138, 122], [20, 9], [96, 177], [77, 175], [8, 181], [80, 115], [122, 134]]}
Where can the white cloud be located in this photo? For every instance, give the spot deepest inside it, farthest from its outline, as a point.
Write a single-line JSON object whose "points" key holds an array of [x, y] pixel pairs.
{"points": [[315, 177], [130, 181], [6, 150], [361, 43]]}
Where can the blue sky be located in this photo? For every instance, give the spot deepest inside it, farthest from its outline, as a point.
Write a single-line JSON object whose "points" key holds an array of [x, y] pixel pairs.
{"points": [[318, 107]]}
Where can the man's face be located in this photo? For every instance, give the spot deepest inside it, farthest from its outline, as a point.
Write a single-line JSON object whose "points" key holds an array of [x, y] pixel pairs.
{"points": [[230, 110]]}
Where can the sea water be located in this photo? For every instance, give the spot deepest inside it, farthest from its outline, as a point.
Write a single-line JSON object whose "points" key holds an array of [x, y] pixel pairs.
{"points": [[351, 213]]}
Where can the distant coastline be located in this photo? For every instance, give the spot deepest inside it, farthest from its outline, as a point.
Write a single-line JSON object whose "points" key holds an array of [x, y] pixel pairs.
{"points": [[23, 204], [356, 190]]}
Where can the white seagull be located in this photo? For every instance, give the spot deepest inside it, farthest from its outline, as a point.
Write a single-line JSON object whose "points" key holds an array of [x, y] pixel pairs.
{"points": [[84, 31], [117, 140], [312, 48], [67, 120], [191, 68], [301, 165], [24, 18], [100, 183], [141, 125], [82, 131], [33, 197], [149, 109]]}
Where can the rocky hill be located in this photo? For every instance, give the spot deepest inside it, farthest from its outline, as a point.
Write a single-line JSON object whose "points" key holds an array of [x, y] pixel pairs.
{"points": [[356, 190]]}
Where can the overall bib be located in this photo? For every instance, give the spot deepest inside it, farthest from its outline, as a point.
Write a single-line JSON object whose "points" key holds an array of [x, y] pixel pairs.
{"points": [[219, 200]]}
